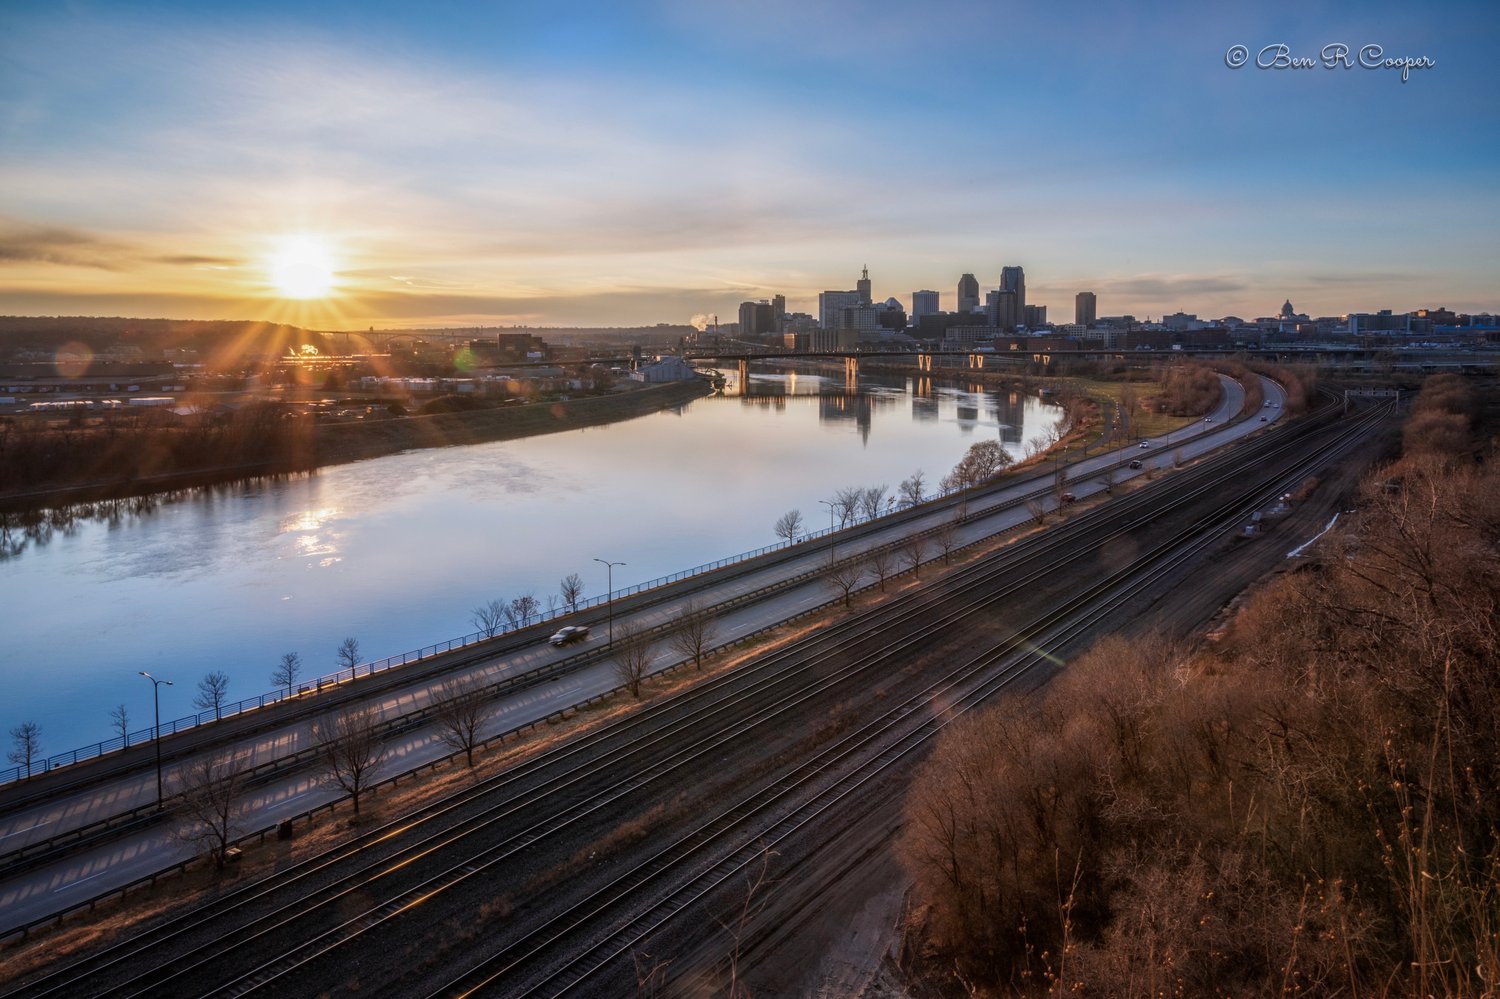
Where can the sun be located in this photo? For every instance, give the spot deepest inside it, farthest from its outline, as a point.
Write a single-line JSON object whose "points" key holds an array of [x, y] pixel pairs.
{"points": [[302, 267]]}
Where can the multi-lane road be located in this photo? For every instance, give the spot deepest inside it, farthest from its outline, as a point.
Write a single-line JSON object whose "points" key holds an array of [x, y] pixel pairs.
{"points": [[750, 597]]}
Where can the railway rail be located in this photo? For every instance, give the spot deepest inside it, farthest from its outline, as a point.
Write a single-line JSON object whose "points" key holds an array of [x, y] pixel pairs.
{"points": [[177, 961]]}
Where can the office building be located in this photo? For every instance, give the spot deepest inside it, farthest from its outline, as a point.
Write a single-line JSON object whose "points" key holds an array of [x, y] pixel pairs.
{"points": [[968, 293], [1013, 279], [1036, 317], [863, 287], [923, 303], [1005, 309], [757, 319], [831, 305], [1085, 308]]}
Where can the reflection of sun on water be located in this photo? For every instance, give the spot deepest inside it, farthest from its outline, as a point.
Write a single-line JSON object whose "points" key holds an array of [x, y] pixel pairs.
{"points": [[314, 540]]}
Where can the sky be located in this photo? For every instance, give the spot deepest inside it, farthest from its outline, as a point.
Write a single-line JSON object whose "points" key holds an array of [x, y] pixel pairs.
{"points": [[343, 165]]}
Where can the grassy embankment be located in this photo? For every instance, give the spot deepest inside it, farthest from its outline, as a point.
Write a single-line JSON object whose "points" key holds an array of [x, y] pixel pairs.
{"points": [[1310, 807]]}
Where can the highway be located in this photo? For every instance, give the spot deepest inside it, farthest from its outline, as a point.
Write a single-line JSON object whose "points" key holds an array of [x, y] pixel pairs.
{"points": [[753, 596], [744, 729]]}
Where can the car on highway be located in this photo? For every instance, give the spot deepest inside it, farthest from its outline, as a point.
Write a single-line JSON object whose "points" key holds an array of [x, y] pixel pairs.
{"points": [[1208, 419], [1145, 444], [572, 633], [1068, 498], [1136, 464], [1263, 419]]}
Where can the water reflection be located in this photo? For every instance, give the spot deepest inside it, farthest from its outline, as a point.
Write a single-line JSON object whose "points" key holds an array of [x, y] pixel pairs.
{"points": [[397, 551]]}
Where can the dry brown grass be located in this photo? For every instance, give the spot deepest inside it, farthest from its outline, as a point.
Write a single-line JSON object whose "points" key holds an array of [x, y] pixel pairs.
{"points": [[1312, 808]]}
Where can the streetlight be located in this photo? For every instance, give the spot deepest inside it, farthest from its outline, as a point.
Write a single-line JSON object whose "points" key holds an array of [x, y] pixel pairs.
{"points": [[156, 729], [609, 568], [830, 505]]}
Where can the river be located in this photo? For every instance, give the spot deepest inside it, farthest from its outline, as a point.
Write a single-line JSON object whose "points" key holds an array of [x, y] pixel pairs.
{"points": [[398, 551]]}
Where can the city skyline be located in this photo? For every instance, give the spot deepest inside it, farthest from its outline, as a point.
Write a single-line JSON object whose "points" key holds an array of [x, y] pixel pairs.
{"points": [[360, 165]]}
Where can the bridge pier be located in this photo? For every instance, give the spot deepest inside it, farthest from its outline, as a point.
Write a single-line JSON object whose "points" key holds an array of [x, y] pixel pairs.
{"points": [[851, 370], [924, 362], [976, 361], [744, 375]]}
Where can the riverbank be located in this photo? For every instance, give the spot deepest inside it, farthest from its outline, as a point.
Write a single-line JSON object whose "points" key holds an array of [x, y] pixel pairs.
{"points": [[334, 444]]}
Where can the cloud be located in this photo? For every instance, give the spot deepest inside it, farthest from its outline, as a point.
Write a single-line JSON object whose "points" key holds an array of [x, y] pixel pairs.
{"points": [[26, 243], [197, 260], [1170, 287]]}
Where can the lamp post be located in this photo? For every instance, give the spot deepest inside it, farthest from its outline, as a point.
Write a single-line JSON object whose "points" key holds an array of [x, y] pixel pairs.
{"points": [[609, 571], [830, 505], [156, 729]]}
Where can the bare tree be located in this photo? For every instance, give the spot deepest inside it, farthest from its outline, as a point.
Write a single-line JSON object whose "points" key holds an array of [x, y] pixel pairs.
{"points": [[1038, 509], [1107, 478], [844, 577], [1128, 403], [286, 672], [634, 651], [213, 693], [846, 503], [348, 653], [26, 745], [947, 538], [758, 894], [461, 706], [789, 525], [695, 634], [913, 550], [1177, 458], [881, 561], [911, 489], [489, 618], [571, 589], [209, 787], [520, 611], [870, 500], [119, 720], [1060, 481], [350, 749]]}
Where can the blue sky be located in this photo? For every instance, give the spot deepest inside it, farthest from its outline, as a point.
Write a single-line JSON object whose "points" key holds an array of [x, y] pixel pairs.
{"points": [[640, 162]]}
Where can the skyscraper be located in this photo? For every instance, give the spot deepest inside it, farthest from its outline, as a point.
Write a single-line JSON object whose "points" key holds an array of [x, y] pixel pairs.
{"points": [[1004, 309], [831, 306], [864, 287], [968, 293], [923, 303], [778, 313], [1085, 308], [1013, 279], [756, 319]]}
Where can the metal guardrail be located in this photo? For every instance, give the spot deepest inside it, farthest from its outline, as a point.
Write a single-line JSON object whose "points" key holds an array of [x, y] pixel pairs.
{"points": [[106, 746], [313, 686], [522, 680]]}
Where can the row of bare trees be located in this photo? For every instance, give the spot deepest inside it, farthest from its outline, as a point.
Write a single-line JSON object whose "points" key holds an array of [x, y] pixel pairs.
{"points": [[494, 616], [1311, 806], [851, 504], [351, 753], [693, 635]]}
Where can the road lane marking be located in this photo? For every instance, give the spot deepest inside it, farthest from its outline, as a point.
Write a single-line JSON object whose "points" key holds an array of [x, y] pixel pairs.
{"points": [[27, 829], [80, 881]]}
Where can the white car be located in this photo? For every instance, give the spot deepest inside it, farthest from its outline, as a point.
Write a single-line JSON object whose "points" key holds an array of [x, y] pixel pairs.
{"points": [[1145, 444], [572, 633]]}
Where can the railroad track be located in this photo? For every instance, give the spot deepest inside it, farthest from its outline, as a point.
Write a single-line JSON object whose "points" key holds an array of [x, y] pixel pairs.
{"points": [[574, 759], [865, 757]]}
